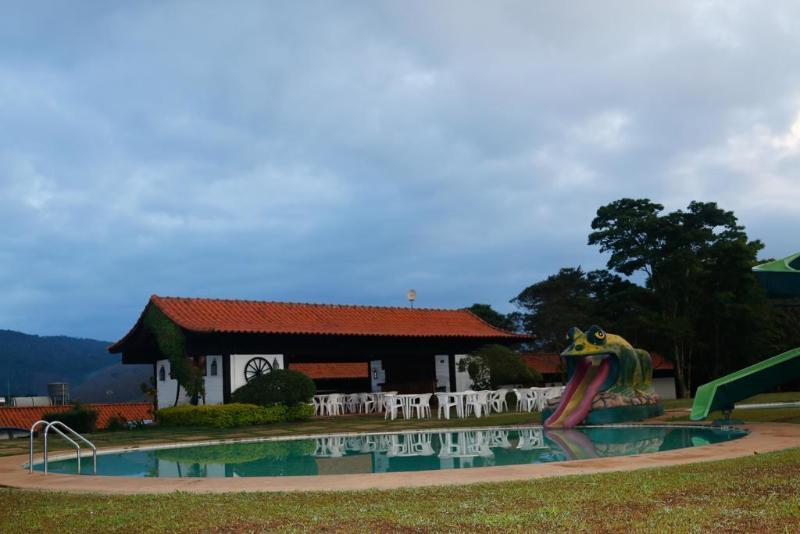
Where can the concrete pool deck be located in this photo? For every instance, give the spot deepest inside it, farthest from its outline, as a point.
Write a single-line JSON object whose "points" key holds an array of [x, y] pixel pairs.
{"points": [[763, 437]]}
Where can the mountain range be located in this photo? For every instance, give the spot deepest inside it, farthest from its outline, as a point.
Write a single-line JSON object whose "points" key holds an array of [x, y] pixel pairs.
{"points": [[29, 362]]}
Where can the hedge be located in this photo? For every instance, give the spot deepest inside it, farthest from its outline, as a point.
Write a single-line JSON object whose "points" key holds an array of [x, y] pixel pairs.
{"points": [[281, 386], [230, 415]]}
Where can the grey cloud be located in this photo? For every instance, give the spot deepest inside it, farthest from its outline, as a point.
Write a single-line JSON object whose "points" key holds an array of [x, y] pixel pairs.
{"points": [[345, 152]]}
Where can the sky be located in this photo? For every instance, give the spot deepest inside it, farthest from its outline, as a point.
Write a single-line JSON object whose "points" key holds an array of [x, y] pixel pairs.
{"points": [[344, 152]]}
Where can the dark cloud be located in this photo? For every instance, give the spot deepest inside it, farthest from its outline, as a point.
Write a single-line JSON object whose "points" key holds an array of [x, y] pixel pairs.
{"points": [[344, 152]]}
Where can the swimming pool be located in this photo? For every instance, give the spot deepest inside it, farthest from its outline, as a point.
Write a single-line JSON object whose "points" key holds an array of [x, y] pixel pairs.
{"points": [[396, 451]]}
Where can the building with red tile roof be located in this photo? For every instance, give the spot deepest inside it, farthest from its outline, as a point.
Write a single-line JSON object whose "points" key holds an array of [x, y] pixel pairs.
{"points": [[23, 418], [407, 349]]}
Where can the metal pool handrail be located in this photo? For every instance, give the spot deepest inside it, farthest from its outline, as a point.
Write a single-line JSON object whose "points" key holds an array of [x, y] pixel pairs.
{"points": [[54, 425]]}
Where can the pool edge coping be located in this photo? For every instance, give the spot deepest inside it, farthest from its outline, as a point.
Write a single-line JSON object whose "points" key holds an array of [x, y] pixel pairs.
{"points": [[761, 438]]}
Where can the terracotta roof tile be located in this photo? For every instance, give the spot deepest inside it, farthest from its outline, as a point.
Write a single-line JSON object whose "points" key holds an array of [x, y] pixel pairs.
{"points": [[263, 317], [25, 417], [332, 370], [543, 362], [660, 363]]}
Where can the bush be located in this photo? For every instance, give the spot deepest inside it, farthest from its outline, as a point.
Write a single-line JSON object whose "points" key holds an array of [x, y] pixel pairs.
{"points": [[496, 365], [117, 422], [78, 418], [281, 386], [231, 415]]}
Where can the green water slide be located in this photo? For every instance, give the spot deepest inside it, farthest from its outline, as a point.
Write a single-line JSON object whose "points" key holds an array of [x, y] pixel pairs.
{"points": [[724, 392], [780, 279]]}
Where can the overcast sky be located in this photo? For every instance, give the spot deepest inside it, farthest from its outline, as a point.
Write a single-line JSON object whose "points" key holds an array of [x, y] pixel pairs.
{"points": [[346, 152]]}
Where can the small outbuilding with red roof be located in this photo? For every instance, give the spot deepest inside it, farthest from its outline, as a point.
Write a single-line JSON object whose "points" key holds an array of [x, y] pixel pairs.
{"points": [[403, 349]]}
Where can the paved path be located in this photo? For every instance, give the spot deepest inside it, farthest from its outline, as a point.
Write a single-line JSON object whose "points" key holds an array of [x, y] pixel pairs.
{"points": [[763, 437]]}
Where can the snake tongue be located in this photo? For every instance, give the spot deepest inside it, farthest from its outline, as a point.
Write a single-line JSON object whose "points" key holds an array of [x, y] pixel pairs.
{"points": [[589, 375]]}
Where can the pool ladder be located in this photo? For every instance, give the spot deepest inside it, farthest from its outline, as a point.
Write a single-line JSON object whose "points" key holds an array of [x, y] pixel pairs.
{"points": [[55, 425]]}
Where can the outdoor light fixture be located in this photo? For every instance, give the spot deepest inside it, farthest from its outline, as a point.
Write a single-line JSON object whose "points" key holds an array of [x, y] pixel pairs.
{"points": [[412, 296]]}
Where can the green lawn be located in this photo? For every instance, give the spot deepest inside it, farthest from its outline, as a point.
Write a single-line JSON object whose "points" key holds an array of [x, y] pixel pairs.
{"points": [[753, 494]]}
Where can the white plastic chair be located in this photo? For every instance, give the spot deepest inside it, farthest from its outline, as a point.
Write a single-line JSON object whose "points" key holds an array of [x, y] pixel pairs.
{"points": [[319, 405], [477, 403], [352, 402], [367, 402], [446, 401], [520, 393], [497, 400], [421, 405], [392, 405], [334, 404], [547, 395]]}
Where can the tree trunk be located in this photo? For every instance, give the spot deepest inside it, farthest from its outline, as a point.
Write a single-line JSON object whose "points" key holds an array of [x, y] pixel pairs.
{"points": [[680, 377]]}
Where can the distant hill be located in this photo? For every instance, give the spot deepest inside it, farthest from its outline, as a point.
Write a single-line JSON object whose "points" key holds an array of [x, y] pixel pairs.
{"points": [[28, 363]]}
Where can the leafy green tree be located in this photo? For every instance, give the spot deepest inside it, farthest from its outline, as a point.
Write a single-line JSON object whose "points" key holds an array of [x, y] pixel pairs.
{"points": [[493, 317], [696, 263], [552, 306]]}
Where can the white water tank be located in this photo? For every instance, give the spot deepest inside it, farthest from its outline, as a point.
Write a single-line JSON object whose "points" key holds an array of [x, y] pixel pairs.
{"points": [[58, 393]]}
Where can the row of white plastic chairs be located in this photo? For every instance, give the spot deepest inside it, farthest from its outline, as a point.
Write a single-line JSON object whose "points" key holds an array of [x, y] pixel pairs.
{"points": [[464, 403], [343, 403], [459, 444], [530, 399]]}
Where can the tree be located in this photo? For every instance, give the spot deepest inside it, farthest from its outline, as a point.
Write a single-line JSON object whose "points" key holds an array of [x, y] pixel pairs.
{"points": [[493, 366], [553, 305], [493, 317], [575, 298], [697, 267]]}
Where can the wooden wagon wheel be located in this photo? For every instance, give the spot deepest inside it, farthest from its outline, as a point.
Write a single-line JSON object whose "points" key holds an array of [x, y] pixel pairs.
{"points": [[256, 367]]}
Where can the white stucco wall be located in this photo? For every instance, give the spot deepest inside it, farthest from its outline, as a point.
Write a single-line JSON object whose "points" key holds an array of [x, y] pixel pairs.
{"points": [[213, 383], [441, 363], [463, 381], [665, 387], [376, 374], [239, 361], [165, 389]]}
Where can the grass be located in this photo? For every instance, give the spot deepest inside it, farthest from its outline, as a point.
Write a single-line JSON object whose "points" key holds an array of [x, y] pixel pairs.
{"points": [[753, 494]]}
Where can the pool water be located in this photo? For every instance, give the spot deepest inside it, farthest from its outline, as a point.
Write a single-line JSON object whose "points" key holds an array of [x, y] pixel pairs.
{"points": [[397, 452]]}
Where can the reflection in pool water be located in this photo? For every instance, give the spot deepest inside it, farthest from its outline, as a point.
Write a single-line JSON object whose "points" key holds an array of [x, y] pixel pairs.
{"points": [[396, 452]]}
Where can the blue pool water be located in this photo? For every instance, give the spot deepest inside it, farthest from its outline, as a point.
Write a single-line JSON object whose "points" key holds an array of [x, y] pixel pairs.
{"points": [[396, 452]]}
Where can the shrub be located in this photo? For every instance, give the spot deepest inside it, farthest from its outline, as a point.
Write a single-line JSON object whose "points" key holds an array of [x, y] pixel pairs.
{"points": [[496, 365], [230, 415], [117, 422], [281, 386], [78, 418]]}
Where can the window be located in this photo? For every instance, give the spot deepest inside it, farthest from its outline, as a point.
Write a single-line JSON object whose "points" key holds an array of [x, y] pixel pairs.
{"points": [[162, 374], [213, 371]]}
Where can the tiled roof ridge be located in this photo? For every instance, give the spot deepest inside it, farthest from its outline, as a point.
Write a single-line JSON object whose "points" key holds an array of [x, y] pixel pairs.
{"points": [[487, 323], [319, 304]]}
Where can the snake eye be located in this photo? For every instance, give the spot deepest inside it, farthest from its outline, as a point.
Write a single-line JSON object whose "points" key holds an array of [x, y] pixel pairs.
{"points": [[596, 335]]}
